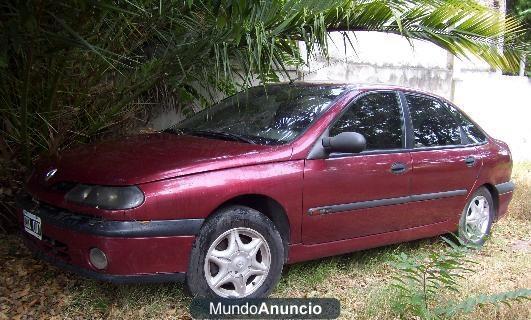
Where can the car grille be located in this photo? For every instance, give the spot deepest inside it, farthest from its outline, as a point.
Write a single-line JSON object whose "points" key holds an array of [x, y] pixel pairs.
{"points": [[55, 248], [50, 247]]}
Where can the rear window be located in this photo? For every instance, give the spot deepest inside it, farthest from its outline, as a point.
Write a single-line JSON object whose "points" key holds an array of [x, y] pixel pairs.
{"points": [[472, 132], [433, 125]]}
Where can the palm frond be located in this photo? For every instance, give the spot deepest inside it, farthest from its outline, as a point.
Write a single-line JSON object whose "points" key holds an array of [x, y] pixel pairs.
{"points": [[255, 34], [72, 69]]}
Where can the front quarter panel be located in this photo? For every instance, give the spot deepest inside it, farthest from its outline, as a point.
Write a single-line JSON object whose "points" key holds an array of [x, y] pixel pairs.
{"points": [[199, 195]]}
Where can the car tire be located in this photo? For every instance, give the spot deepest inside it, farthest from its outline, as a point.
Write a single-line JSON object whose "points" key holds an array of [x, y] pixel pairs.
{"points": [[477, 217], [238, 253]]}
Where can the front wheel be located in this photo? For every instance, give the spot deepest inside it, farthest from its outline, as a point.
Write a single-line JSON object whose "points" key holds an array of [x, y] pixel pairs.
{"points": [[477, 217], [237, 254]]}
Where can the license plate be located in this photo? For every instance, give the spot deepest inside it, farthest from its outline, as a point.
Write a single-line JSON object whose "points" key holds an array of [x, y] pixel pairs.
{"points": [[32, 224]]}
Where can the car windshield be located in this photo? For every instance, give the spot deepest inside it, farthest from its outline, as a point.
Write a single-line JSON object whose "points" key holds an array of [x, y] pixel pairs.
{"points": [[272, 115]]}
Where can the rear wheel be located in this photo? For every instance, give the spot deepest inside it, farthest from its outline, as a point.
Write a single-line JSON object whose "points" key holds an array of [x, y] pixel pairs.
{"points": [[238, 253], [477, 217]]}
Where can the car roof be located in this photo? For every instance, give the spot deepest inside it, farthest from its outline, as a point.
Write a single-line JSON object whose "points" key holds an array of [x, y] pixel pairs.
{"points": [[360, 86]]}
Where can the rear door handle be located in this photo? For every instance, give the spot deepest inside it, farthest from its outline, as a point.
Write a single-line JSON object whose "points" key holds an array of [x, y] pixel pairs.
{"points": [[398, 168], [470, 161]]}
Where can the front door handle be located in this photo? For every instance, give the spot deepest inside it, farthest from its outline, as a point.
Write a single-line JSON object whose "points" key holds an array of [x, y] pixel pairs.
{"points": [[398, 168], [470, 161]]}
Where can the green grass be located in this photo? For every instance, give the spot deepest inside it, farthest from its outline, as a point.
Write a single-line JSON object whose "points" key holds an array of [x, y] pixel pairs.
{"points": [[360, 280]]}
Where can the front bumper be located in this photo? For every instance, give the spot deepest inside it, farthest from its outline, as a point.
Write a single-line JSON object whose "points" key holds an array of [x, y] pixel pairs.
{"points": [[137, 251]]}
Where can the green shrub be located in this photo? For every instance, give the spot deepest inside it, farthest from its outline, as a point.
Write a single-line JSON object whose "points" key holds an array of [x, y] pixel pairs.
{"points": [[420, 285]]}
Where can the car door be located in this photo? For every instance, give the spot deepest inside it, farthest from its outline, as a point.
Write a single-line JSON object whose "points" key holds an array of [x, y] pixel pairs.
{"points": [[349, 195], [445, 167]]}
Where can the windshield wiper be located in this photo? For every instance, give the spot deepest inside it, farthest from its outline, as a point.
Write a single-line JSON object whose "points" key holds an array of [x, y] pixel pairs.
{"points": [[219, 134], [173, 130]]}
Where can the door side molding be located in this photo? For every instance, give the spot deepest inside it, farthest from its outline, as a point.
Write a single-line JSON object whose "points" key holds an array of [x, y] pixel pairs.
{"points": [[336, 208]]}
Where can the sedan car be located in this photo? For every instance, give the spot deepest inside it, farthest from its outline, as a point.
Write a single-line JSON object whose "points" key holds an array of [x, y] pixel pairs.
{"points": [[275, 174]]}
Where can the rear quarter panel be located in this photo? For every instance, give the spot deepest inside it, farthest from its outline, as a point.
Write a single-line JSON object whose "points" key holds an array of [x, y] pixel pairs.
{"points": [[496, 169], [497, 163]]}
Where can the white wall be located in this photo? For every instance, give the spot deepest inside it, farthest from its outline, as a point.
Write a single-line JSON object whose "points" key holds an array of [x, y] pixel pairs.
{"points": [[383, 58], [499, 104]]}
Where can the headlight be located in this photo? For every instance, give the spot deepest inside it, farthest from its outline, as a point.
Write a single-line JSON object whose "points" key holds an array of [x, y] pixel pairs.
{"points": [[111, 198]]}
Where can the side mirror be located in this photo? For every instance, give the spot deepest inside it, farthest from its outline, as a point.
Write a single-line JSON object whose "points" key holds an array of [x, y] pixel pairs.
{"points": [[345, 142]]}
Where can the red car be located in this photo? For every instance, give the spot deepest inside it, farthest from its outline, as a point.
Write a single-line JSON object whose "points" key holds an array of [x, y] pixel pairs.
{"points": [[273, 175]]}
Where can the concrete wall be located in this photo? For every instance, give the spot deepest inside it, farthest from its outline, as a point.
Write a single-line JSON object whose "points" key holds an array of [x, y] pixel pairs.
{"points": [[382, 58], [436, 80]]}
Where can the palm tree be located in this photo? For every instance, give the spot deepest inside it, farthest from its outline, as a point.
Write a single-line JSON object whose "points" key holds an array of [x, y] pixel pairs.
{"points": [[98, 57], [522, 10], [72, 69], [77, 65], [255, 39]]}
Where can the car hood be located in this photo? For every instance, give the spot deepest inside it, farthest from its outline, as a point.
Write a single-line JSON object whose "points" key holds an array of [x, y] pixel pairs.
{"points": [[149, 157]]}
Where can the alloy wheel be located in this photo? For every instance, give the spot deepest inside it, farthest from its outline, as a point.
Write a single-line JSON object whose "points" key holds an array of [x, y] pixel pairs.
{"points": [[237, 263], [477, 218]]}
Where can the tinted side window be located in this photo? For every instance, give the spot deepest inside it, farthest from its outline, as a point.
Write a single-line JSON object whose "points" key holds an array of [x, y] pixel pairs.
{"points": [[377, 117], [432, 123], [472, 132]]}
